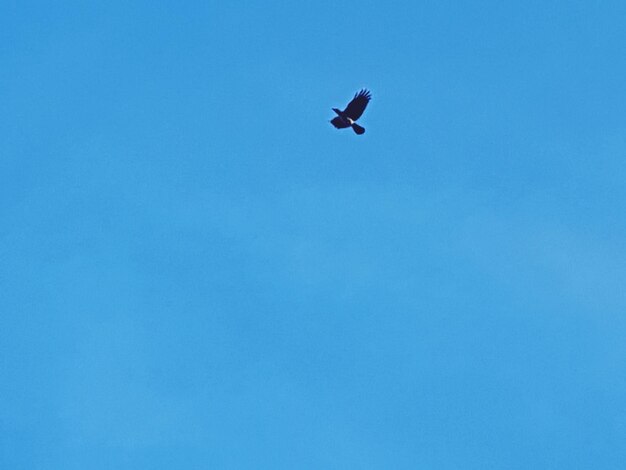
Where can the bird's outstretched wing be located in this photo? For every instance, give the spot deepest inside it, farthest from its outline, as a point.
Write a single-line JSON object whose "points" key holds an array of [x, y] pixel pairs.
{"points": [[339, 123], [355, 108]]}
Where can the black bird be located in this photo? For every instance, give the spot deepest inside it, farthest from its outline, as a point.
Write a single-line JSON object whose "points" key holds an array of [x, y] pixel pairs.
{"points": [[353, 111]]}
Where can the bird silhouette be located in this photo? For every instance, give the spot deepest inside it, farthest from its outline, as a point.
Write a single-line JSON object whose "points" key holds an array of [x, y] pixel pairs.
{"points": [[353, 111]]}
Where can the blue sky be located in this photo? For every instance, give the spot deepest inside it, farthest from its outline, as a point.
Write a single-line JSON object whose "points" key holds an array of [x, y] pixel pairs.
{"points": [[198, 271]]}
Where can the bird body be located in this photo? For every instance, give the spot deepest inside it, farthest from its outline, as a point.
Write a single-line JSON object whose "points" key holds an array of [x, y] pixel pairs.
{"points": [[344, 119], [354, 110]]}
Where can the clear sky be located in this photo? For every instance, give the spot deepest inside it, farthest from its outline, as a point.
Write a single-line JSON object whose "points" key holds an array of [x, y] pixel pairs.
{"points": [[198, 271]]}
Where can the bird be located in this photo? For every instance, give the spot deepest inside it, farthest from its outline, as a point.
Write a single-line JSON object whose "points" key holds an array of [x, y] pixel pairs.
{"points": [[353, 111]]}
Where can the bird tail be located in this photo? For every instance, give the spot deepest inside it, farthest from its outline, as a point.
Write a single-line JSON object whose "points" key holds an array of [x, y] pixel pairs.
{"points": [[358, 129]]}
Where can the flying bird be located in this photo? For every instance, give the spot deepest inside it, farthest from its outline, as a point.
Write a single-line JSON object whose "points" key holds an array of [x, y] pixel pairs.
{"points": [[353, 111]]}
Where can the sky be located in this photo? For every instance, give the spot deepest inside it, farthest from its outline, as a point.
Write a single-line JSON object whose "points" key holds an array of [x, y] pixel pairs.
{"points": [[198, 271]]}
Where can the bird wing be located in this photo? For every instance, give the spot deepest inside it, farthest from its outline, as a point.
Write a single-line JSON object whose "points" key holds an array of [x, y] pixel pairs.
{"points": [[355, 108], [339, 123]]}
